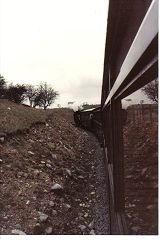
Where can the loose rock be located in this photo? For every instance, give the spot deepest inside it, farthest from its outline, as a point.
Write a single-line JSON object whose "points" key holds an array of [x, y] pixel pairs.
{"points": [[54, 212], [82, 227], [18, 232], [51, 203], [86, 215], [43, 217], [48, 165], [92, 193], [80, 177], [68, 206], [31, 153], [42, 162], [91, 225], [69, 172], [1, 139], [38, 229], [25, 175], [48, 230], [17, 225], [36, 172], [92, 232], [56, 187], [54, 156]]}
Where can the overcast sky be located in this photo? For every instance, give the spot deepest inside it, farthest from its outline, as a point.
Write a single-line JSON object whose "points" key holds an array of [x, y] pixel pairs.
{"points": [[60, 42]]}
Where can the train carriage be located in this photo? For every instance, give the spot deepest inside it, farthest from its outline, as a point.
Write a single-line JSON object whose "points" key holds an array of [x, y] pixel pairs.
{"points": [[131, 61]]}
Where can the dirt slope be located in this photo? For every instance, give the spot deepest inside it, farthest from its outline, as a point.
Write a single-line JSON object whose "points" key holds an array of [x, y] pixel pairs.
{"points": [[32, 165]]}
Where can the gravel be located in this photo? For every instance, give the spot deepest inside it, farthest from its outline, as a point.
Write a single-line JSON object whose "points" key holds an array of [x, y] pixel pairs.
{"points": [[101, 211], [101, 208]]}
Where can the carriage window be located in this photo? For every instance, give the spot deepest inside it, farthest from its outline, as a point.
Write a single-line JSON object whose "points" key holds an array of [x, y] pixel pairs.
{"points": [[141, 163]]}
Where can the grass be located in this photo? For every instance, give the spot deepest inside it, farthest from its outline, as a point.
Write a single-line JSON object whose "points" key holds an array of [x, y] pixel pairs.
{"points": [[14, 117]]}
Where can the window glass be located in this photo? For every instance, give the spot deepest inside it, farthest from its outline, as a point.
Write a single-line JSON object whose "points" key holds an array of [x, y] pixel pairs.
{"points": [[141, 163]]}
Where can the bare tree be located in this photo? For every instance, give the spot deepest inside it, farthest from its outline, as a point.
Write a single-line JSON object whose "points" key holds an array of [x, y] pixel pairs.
{"points": [[45, 96], [151, 90], [31, 94]]}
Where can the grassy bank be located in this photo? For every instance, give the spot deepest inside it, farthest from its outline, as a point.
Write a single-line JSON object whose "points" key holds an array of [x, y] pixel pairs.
{"points": [[14, 117]]}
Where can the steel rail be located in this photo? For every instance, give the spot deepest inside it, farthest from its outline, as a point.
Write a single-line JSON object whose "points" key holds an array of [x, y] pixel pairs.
{"points": [[138, 76]]}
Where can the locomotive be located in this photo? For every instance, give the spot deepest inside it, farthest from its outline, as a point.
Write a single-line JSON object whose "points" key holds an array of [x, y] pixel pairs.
{"points": [[90, 119]]}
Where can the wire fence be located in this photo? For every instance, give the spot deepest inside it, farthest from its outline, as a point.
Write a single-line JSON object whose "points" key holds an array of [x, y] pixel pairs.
{"points": [[142, 112]]}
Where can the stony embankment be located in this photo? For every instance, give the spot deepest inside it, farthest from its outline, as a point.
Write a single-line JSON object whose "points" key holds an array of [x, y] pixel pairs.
{"points": [[48, 180]]}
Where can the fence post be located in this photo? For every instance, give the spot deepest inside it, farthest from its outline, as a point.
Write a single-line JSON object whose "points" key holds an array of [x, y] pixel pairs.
{"points": [[142, 108], [150, 111], [133, 114]]}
